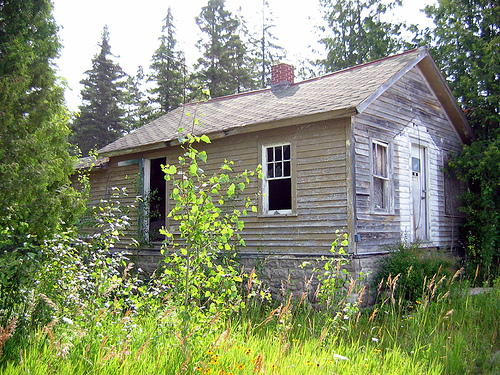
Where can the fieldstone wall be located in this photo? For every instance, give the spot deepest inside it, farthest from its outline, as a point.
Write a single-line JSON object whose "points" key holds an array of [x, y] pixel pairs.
{"points": [[280, 274]]}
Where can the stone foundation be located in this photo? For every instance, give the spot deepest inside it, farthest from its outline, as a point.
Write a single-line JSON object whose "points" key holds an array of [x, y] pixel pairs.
{"points": [[282, 274]]}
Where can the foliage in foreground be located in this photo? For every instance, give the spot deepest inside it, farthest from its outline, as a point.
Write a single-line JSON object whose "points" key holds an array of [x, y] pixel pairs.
{"points": [[447, 332], [412, 265]]}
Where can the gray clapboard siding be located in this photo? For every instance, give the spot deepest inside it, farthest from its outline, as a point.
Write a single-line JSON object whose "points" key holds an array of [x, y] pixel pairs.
{"points": [[320, 184], [390, 118]]}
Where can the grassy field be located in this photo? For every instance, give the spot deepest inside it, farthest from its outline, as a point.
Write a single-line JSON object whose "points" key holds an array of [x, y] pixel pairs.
{"points": [[447, 331]]}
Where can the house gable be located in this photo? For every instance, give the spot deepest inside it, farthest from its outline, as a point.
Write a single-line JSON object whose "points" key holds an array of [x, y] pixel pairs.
{"points": [[411, 119]]}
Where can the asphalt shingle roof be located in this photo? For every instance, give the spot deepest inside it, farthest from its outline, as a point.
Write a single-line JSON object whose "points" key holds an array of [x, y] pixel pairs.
{"points": [[344, 89]]}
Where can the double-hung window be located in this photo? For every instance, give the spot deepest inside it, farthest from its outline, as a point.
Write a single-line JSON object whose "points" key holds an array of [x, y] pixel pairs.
{"points": [[381, 184], [277, 197]]}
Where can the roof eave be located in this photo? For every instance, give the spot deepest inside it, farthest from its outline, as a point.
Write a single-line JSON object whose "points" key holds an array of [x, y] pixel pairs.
{"points": [[248, 128]]}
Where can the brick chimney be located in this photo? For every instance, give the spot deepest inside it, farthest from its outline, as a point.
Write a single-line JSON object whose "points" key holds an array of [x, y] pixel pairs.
{"points": [[282, 75]]}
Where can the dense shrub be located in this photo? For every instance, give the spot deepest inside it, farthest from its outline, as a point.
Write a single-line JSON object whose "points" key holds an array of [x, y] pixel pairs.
{"points": [[412, 265]]}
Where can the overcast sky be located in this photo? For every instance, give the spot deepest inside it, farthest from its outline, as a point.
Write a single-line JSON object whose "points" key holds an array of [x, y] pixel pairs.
{"points": [[134, 27]]}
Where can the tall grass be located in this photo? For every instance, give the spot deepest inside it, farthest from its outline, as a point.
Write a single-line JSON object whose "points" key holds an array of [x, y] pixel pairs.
{"points": [[446, 331]]}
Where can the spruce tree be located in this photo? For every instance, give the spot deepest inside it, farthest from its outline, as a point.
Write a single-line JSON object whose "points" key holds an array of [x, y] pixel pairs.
{"points": [[168, 71], [357, 33], [138, 108], [225, 67], [101, 119], [267, 52], [35, 197]]}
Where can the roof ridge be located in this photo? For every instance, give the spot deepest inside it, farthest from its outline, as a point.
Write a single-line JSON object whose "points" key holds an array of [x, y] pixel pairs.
{"points": [[241, 94]]}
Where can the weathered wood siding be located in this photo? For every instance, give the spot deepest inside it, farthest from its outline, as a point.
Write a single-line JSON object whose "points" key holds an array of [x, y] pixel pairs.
{"points": [[408, 112], [109, 185], [319, 184]]}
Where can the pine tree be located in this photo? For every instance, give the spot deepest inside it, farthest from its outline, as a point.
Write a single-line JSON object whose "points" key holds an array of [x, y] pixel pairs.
{"points": [[168, 71], [138, 109], [35, 197], [267, 52], [101, 119], [225, 66], [358, 34]]}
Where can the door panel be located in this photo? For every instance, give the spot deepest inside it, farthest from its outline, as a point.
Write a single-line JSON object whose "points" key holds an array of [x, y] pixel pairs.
{"points": [[419, 192]]}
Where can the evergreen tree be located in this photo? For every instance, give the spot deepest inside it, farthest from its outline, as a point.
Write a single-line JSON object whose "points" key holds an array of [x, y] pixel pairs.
{"points": [[358, 34], [35, 197], [267, 52], [225, 67], [138, 109], [466, 41], [168, 66], [466, 47], [101, 119]]}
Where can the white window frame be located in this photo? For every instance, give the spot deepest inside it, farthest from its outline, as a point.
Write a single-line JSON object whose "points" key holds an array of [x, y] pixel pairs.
{"points": [[266, 179], [384, 178]]}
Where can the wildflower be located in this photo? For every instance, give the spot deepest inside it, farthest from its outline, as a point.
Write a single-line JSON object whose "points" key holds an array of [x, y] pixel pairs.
{"points": [[210, 352], [197, 368], [248, 352], [418, 302], [374, 339], [241, 366], [309, 363], [208, 371]]}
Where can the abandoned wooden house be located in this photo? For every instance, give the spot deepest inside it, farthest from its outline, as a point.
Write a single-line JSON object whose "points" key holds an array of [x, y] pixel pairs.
{"points": [[361, 150]]}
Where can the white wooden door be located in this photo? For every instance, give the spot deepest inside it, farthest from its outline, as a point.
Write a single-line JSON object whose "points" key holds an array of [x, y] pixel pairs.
{"points": [[419, 192]]}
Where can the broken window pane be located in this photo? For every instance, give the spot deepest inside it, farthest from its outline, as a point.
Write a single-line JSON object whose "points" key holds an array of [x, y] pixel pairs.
{"points": [[280, 194], [378, 193], [380, 159]]}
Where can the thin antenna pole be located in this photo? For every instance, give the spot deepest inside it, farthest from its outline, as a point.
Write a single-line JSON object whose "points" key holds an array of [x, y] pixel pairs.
{"points": [[263, 44]]}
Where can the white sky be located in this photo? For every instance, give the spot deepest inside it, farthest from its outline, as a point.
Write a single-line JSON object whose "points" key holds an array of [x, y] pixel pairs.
{"points": [[134, 27]]}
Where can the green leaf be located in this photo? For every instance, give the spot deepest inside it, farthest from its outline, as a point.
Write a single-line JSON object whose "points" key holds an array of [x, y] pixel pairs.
{"points": [[170, 169], [231, 189], [203, 156], [254, 209], [205, 138], [193, 169]]}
